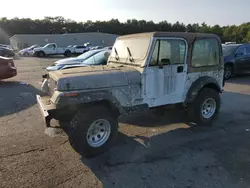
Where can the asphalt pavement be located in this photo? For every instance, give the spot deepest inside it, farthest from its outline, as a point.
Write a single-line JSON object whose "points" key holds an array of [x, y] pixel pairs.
{"points": [[151, 151]]}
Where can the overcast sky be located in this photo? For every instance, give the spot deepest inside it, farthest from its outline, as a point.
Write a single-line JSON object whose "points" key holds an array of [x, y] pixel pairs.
{"points": [[213, 12]]}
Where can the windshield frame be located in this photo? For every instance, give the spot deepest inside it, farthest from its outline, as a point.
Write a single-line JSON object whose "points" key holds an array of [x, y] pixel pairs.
{"points": [[139, 62]]}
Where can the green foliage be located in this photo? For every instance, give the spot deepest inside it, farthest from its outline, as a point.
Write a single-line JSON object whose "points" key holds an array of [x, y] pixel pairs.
{"points": [[58, 25]]}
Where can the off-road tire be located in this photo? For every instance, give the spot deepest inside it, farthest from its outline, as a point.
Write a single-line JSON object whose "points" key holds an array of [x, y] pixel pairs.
{"points": [[194, 108], [67, 53], [80, 124], [228, 71]]}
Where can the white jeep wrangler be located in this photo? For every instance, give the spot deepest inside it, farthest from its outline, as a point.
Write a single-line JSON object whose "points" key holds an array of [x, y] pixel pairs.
{"points": [[144, 71]]}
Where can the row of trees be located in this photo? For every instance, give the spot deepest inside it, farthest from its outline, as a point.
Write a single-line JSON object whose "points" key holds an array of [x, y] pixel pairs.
{"points": [[55, 25]]}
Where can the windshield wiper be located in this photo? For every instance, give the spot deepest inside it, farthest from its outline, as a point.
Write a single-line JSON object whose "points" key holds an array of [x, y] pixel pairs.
{"points": [[116, 54], [130, 55]]}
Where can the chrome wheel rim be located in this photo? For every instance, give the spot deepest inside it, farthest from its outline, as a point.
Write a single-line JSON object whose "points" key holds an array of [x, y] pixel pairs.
{"points": [[98, 133], [208, 108]]}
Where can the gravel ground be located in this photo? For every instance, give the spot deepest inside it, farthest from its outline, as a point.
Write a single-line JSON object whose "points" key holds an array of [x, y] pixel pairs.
{"points": [[150, 151]]}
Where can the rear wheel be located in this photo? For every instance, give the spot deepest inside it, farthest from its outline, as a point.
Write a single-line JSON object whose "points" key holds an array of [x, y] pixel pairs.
{"points": [[228, 71], [41, 54], [205, 107], [93, 131], [67, 53]]}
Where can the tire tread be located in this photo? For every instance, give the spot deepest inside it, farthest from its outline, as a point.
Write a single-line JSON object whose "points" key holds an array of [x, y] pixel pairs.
{"points": [[79, 127]]}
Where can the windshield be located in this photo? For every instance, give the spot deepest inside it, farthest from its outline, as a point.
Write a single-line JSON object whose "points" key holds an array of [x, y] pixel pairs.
{"points": [[137, 48], [98, 59], [229, 49], [88, 54]]}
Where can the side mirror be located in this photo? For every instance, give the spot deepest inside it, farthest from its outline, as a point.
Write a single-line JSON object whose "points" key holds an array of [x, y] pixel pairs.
{"points": [[239, 54], [165, 61]]}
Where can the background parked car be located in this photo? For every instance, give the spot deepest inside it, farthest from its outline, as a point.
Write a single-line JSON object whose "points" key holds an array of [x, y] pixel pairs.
{"points": [[109, 47], [236, 59], [52, 49], [28, 51], [6, 46], [95, 47], [78, 59], [98, 47], [6, 52], [3, 45], [79, 49], [7, 68], [90, 58]]}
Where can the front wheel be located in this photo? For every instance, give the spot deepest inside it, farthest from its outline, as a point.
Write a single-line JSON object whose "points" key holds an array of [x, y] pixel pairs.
{"points": [[205, 107], [93, 131], [41, 54]]}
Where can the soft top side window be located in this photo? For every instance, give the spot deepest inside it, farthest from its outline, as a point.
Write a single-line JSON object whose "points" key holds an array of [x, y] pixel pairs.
{"points": [[205, 52], [168, 51], [51, 46]]}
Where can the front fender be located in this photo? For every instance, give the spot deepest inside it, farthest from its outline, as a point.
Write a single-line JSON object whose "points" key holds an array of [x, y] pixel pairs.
{"points": [[88, 97]]}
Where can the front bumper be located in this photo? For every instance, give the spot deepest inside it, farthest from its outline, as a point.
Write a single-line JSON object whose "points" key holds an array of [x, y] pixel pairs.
{"points": [[46, 108]]}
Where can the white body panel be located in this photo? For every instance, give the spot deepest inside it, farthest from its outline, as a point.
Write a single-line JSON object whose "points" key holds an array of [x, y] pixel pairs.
{"points": [[162, 86], [192, 77]]}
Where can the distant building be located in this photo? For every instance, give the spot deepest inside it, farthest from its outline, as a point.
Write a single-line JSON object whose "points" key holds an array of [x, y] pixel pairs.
{"points": [[21, 41]]}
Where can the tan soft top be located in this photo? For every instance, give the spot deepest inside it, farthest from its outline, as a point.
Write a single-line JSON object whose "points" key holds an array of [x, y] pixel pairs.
{"points": [[186, 35]]}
